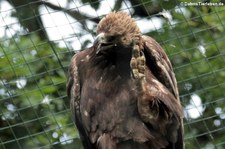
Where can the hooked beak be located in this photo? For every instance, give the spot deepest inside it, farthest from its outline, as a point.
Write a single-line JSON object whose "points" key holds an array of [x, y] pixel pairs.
{"points": [[103, 43]]}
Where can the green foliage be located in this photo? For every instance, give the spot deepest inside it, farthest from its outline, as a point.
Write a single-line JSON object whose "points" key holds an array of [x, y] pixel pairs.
{"points": [[33, 96], [196, 49], [93, 3]]}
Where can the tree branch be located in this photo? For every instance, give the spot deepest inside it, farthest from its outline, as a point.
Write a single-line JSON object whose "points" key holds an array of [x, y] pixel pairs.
{"points": [[73, 13]]}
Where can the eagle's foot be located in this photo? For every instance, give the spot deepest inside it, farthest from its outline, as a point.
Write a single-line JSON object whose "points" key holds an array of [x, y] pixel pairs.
{"points": [[138, 63]]}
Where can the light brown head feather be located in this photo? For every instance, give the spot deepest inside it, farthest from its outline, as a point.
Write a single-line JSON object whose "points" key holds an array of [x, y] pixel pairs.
{"points": [[120, 24]]}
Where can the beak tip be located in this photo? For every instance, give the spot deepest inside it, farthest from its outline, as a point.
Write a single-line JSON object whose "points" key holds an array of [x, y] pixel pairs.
{"points": [[98, 40], [100, 37]]}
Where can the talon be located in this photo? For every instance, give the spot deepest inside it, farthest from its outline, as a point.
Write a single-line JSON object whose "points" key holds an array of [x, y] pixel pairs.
{"points": [[136, 53], [133, 63], [141, 69], [141, 60], [135, 73], [137, 63]]}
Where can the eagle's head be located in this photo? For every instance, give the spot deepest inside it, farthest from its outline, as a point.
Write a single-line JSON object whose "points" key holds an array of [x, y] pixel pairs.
{"points": [[117, 29]]}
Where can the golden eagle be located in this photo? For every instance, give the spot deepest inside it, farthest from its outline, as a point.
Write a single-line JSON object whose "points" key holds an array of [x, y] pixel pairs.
{"points": [[123, 90]]}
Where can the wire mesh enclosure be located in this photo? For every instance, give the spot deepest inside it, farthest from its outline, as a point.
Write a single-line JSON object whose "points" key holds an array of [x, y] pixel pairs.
{"points": [[38, 39]]}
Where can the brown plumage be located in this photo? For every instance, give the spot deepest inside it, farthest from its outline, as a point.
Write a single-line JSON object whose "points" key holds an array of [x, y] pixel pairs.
{"points": [[123, 90]]}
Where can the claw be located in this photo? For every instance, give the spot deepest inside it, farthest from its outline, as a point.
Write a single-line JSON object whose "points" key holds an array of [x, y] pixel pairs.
{"points": [[138, 63]]}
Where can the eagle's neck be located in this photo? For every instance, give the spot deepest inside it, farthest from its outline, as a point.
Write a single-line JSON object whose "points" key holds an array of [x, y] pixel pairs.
{"points": [[115, 62]]}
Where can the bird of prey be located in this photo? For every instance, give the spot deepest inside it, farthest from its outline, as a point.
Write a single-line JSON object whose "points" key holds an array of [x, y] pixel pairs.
{"points": [[123, 90]]}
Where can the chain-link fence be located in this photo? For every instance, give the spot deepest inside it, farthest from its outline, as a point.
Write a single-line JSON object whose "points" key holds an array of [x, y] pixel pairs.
{"points": [[38, 39]]}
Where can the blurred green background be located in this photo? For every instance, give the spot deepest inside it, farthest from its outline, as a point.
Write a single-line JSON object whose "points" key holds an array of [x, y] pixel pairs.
{"points": [[35, 54]]}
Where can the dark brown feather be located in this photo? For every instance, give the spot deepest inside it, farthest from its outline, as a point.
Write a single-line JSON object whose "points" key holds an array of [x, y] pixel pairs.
{"points": [[161, 72], [159, 64], [73, 92], [114, 110]]}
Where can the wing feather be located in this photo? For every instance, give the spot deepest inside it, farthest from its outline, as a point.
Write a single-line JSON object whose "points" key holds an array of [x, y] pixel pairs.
{"points": [[74, 93], [160, 66], [157, 59]]}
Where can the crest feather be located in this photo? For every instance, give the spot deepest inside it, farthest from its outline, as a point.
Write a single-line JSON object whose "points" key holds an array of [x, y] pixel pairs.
{"points": [[118, 23]]}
